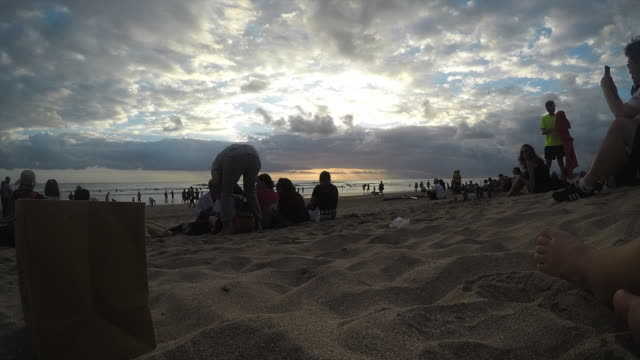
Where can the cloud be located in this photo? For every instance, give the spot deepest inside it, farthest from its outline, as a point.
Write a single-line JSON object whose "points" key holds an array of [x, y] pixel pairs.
{"points": [[266, 117], [175, 124], [347, 120], [254, 86], [317, 124], [463, 82]]}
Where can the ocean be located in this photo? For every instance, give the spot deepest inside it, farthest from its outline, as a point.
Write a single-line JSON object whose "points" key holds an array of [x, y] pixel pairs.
{"points": [[156, 190]]}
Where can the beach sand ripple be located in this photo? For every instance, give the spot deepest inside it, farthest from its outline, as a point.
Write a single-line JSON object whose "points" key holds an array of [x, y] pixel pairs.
{"points": [[457, 282]]}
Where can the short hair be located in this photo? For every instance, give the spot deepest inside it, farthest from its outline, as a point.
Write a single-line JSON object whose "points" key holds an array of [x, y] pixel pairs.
{"points": [[632, 50], [51, 188], [266, 180], [550, 102], [325, 177]]}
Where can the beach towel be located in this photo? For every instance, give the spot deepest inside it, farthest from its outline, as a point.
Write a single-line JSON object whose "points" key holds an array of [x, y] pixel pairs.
{"points": [[83, 278], [563, 126]]}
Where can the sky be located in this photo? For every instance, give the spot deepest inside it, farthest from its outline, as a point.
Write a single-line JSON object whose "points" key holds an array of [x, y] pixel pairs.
{"points": [[368, 88]]}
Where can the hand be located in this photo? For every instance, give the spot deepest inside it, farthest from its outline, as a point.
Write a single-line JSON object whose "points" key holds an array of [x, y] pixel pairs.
{"points": [[607, 84]]}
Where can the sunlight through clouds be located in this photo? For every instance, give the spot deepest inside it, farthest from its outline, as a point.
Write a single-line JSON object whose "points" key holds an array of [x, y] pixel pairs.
{"points": [[290, 71]]}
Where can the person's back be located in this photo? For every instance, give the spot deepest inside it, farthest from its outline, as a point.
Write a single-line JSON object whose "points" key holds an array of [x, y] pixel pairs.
{"points": [[24, 191], [292, 206], [81, 194], [326, 201], [326, 195], [439, 191]]}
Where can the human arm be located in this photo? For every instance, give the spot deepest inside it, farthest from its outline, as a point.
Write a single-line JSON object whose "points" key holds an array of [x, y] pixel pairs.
{"points": [[617, 107], [545, 128]]}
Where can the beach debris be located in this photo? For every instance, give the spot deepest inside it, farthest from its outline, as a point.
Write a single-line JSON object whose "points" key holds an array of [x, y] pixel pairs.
{"points": [[399, 222]]}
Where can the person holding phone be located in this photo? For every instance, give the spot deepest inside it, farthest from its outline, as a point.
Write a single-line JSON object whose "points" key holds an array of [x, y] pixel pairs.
{"points": [[619, 154]]}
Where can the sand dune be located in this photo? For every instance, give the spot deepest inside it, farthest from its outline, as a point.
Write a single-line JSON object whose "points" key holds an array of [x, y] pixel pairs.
{"points": [[458, 282]]}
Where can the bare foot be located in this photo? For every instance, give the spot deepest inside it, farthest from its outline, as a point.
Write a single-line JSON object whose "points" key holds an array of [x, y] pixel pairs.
{"points": [[628, 306], [560, 254]]}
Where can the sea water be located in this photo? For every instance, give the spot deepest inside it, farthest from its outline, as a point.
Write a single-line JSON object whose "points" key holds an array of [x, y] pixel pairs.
{"points": [[156, 190]]}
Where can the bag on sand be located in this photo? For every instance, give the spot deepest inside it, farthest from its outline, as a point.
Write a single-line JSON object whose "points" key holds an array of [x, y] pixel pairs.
{"points": [[83, 279]]}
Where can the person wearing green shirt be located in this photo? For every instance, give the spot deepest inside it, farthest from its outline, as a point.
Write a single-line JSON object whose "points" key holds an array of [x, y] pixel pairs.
{"points": [[553, 148]]}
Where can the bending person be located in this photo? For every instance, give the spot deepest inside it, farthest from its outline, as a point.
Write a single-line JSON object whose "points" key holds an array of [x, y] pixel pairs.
{"points": [[234, 161], [612, 274], [619, 153]]}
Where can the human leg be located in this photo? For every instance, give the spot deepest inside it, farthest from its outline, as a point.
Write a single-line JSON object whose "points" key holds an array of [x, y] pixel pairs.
{"points": [[249, 177], [232, 168], [628, 306], [549, 156], [518, 185], [603, 271], [612, 155], [563, 169]]}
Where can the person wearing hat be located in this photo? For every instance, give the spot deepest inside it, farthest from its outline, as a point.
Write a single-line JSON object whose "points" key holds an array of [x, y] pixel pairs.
{"points": [[24, 191]]}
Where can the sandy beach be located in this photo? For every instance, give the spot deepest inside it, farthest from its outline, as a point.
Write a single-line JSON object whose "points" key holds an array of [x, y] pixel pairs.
{"points": [[457, 282]]}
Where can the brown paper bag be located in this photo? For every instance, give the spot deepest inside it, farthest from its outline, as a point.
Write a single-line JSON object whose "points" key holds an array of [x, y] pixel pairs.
{"points": [[83, 278]]}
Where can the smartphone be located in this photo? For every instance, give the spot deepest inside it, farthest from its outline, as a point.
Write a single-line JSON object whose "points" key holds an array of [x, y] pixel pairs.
{"points": [[517, 171], [607, 70]]}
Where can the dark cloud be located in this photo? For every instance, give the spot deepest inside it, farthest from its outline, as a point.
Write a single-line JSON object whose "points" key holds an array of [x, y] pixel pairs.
{"points": [[485, 147], [317, 124], [266, 117], [174, 124], [305, 123], [254, 86], [347, 120], [101, 65]]}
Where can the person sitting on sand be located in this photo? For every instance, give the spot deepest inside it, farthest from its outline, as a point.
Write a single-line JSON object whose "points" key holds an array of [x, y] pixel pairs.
{"points": [[324, 199], [267, 197], [24, 191], [52, 190], [81, 194], [611, 274], [619, 153], [291, 206], [536, 175], [437, 192], [205, 210]]}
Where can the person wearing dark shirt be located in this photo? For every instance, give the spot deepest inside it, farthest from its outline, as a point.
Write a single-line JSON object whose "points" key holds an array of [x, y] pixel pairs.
{"points": [[267, 198], [24, 191], [324, 199], [81, 194], [291, 206], [536, 175]]}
